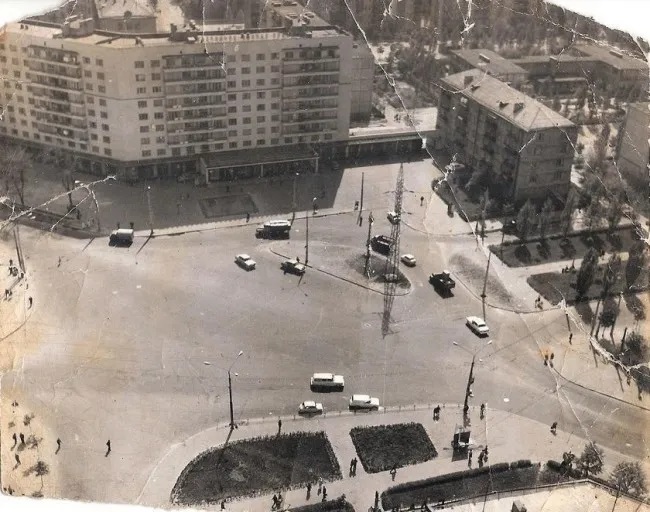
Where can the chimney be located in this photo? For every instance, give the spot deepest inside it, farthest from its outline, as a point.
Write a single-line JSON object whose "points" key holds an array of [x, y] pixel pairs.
{"points": [[467, 80], [518, 107]]}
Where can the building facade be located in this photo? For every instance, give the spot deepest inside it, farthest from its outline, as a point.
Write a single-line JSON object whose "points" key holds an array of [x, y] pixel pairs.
{"points": [[524, 148], [633, 152], [149, 105]]}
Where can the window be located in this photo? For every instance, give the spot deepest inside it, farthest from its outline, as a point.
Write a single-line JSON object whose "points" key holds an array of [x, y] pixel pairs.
{"points": [[261, 107], [231, 83], [86, 60], [144, 129], [559, 162], [275, 106], [160, 127], [146, 152], [232, 133], [103, 115], [246, 108], [261, 95], [159, 115], [231, 71], [232, 58], [260, 56], [246, 96], [145, 140], [328, 136], [261, 142], [107, 152], [275, 55], [15, 62], [275, 94], [245, 71], [289, 55], [232, 121], [288, 140], [161, 152], [275, 117], [143, 117], [558, 175], [261, 131], [140, 77], [275, 81], [99, 62], [89, 87], [155, 63], [261, 119], [275, 141], [232, 145], [275, 69], [275, 129], [105, 127], [155, 76], [142, 104], [95, 149], [245, 83], [176, 151], [157, 103], [246, 132], [139, 64], [232, 110], [93, 125], [91, 112], [245, 57], [260, 81], [156, 89], [21, 110], [141, 90], [246, 120], [260, 69], [101, 89], [160, 139], [247, 143], [88, 73], [106, 139], [101, 76], [232, 97], [532, 178], [102, 102]]}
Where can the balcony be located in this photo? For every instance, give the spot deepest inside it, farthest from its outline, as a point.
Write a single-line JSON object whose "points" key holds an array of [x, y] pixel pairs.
{"points": [[193, 103], [202, 126], [196, 138], [58, 84], [293, 106], [66, 59], [322, 79], [310, 69], [196, 76], [51, 70], [189, 62], [288, 121], [56, 110]]}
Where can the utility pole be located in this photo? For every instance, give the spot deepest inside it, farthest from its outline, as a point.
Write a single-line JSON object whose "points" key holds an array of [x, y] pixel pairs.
{"points": [[307, 237], [294, 206], [366, 270], [468, 390], [232, 414], [361, 202], [150, 210]]}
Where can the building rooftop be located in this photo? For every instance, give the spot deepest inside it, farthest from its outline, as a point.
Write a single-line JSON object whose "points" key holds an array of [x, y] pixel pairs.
{"points": [[504, 101], [489, 61], [611, 56], [297, 13], [641, 106], [117, 8]]}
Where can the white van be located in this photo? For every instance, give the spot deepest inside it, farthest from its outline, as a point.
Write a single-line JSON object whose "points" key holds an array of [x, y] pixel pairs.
{"points": [[364, 402], [327, 382], [121, 237]]}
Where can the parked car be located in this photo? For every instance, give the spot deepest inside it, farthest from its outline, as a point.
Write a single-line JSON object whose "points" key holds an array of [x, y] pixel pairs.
{"points": [[309, 407], [327, 382], [245, 261], [364, 402], [408, 260], [293, 267], [477, 325]]}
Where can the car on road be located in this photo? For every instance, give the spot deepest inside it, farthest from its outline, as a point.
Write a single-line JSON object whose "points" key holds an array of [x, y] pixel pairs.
{"points": [[245, 261], [408, 260], [364, 402], [293, 267], [393, 217], [121, 237], [381, 244], [477, 325], [309, 407], [327, 382], [454, 166]]}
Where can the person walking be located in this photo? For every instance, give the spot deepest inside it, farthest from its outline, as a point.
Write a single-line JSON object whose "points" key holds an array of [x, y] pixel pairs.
{"points": [[393, 472], [248, 216], [554, 427], [360, 220], [570, 337], [58, 445], [324, 493], [22, 438], [17, 457], [421, 200], [482, 411], [308, 490], [279, 426], [31, 301], [275, 502], [15, 438], [108, 446], [320, 484]]}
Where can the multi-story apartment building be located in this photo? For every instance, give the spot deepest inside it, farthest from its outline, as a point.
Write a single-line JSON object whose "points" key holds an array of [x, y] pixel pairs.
{"points": [[633, 152], [150, 104], [525, 148]]}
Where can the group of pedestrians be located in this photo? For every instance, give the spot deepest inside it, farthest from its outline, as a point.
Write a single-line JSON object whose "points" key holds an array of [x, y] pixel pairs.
{"points": [[353, 467]]}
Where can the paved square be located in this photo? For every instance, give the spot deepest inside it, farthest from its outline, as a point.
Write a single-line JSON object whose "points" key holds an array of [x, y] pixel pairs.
{"points": [[223, 206]]}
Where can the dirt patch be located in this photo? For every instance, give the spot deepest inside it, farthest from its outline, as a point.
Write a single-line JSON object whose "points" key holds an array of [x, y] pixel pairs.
{"points": [[223, 206], [473, 276], [256, 466], [392, 446]]}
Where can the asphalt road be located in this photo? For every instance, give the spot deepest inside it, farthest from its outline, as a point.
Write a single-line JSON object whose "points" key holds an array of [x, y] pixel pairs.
{"points": [[134, 345]]}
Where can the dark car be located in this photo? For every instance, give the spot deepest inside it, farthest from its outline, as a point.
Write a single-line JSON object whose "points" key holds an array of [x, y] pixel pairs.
{"points": [[293, 267]]}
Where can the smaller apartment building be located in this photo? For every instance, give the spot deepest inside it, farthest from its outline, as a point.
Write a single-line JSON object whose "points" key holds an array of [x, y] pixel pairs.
{"points": [[525, 148], [633, 149]]}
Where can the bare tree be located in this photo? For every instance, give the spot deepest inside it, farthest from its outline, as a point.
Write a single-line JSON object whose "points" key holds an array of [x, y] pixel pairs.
{"points": [[587, 272], [525, 220], [544, 219], [629, 477], [15, 162], [566, 217], [591, 460]]}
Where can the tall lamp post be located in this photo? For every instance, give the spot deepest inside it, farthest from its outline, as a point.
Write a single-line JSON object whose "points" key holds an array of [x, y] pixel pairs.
{"points": [[232, 415], [470, 379]]}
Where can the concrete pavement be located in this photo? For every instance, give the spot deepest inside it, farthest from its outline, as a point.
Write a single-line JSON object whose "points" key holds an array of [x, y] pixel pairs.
{"points": [[509, 437]]}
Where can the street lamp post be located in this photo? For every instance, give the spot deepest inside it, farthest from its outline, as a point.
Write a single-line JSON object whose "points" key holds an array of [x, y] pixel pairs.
{"points": [[232, 415], [293, 213], [150, 210], [470, 379]]}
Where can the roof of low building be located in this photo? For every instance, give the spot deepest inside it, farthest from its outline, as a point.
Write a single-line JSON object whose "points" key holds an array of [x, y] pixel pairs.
{"points": [[489, 61], [296, 12], [612, 56], [506, 102], [117, 8]]}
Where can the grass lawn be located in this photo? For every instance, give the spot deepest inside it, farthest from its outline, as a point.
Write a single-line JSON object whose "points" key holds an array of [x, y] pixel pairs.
{"points": [[383, 447], [554, 286], [256, 466], [517, 254], [337, 505], [461, 201], [464, 484]]}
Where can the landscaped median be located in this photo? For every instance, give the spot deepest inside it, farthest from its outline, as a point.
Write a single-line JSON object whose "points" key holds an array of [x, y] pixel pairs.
{"points": [[471, 483], [392, 446], [256, 466]]}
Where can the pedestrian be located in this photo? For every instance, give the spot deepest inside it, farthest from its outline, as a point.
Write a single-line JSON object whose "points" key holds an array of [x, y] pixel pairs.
{"points": [[360, 220], [223, 504], [320, 485], [248, 217], [31, 301], [482, 411], [6, 293], [470, 454], [324, 493], [393, 472], [308, 490], [22, 438], [108, 445], [15, 438], [59, 263], [421, 200], [58, 445], [17, 457], [275, 502], [554, 427], [279, 420], [436, 413], [352, 467], [355, 466]]}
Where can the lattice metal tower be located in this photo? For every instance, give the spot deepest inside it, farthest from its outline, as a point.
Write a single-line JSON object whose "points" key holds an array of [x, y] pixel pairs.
{"points": [[391, 271]]}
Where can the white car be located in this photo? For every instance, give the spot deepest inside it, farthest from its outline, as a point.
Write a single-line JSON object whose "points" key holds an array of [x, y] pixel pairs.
{"points": [[245, 261], [327, 382], [364, 402], [408, 260], [454, 166], [393, 217], [310, 407], [478, 325]]}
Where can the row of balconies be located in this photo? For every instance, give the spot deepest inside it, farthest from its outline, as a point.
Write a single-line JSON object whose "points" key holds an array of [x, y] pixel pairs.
{"points": [[199, 126], [315, 92], [195, 114], [54, 95], [49, 55], [302, 118], [204, 61], [64, 122], [174, 140], [54, 70], [59, 83], [200, 88], [58, 108], [322, 79], [62, 131], [185, 76], [291, 106], [193, 102], [325, 67]]}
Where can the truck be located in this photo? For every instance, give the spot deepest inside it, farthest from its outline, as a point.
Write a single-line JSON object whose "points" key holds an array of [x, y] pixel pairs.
{"points": [[442, 281], [381, 244], [274, 229]]}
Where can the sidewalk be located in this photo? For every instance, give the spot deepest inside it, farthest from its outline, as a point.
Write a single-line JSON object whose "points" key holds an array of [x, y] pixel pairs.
{"points": [[498, 430]]}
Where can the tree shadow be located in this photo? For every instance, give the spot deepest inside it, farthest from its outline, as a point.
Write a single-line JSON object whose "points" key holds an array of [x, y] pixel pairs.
{"points": [[543, 249], [615, 241], [583, 308], [568, 250], [523, 254], [635, 306]]}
